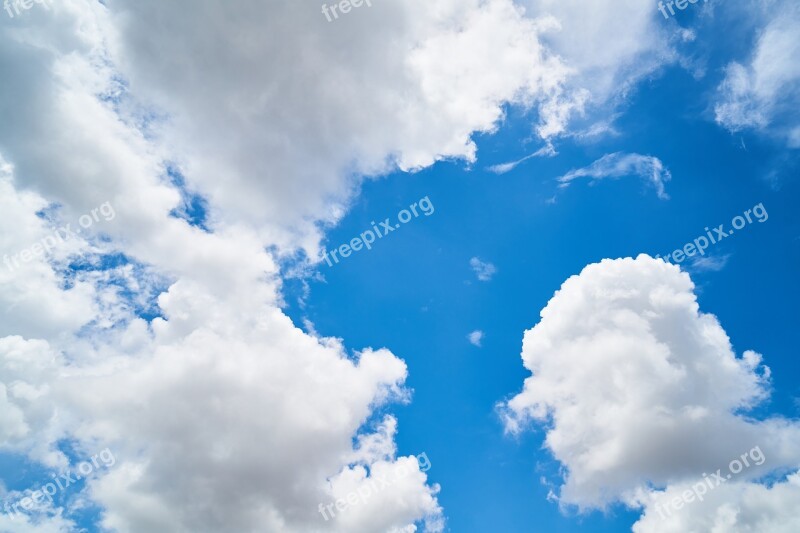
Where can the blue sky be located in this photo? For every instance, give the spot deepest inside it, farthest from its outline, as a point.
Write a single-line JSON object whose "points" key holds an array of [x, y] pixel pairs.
{"points": [[242, 383], [416, 293]]}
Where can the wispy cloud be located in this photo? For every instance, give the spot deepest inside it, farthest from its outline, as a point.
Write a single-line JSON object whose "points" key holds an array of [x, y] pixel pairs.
{"points": [[598, 129], [709, 263], [545, 151], [619, 165], [484, 270]]}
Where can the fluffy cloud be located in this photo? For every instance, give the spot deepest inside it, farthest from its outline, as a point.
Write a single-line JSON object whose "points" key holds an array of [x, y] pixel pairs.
{"points": [[251, 421], [216, 423], [399, 85], [764, 93], [610, 44], [618, 165], [221, 412], [275, 113], [639, 389], [730, 508]]}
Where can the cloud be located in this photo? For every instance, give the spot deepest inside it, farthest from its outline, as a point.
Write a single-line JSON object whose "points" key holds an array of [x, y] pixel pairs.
{"points": [[189, 425], [21, 523], [618, 165], [483, 270], [546, 150], [609, 45], [475, 337], [397, 86], [272, 116], [639, 390], [764, 93], [222, 413], [709, 263], [732, 508]]}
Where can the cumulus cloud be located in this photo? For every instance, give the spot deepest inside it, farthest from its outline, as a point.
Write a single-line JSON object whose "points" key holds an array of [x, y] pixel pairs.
{"points": [[222, 413], [732, 508], [400, 85], [618, 165], [639, 390], [483, 269], [763, 93]]}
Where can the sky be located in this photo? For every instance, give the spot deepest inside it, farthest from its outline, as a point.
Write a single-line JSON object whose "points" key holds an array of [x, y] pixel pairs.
{"points": [[464, 266]]}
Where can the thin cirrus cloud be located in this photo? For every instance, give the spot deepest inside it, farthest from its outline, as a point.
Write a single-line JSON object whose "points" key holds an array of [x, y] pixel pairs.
{"points": [[709, 263], [502, 168], [618, 165]]}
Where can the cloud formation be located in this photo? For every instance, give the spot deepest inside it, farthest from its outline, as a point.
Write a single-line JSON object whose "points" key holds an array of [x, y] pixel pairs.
{"points": [[639, 390]]}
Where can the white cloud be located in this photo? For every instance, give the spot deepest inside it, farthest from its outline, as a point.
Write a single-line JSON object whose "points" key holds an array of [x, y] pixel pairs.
{"points": [[729, 508], [222, 413], [21, 523], [475, 337], [618, 165], [483, 270], [764, 94], [639, 389], [294, 109], [609, 44], [709, 263]]}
